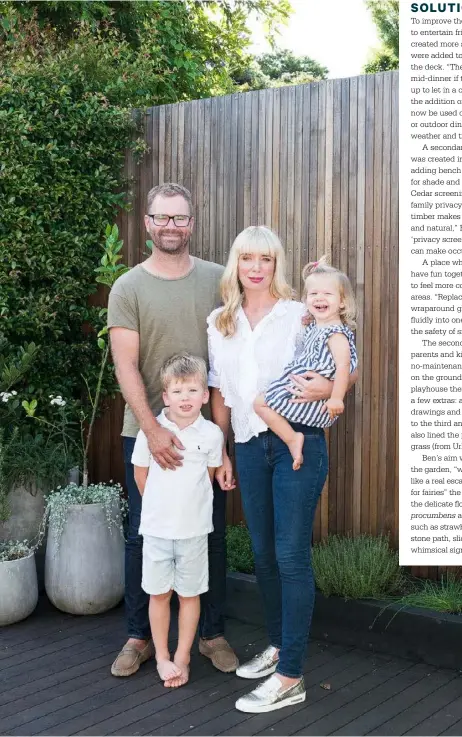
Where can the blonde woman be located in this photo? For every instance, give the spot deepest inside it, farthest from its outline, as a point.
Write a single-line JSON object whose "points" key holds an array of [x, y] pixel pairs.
{"points": [[251, 339]]}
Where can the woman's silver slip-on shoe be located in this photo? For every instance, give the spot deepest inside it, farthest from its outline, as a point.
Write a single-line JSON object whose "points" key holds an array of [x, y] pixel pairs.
{"points": [[260, 666], [270, 696]]}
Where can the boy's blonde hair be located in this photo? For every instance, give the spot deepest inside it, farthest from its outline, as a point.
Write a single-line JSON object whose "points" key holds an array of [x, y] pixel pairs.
{"points": [[183, 366], [254, 239], [348, 311]]}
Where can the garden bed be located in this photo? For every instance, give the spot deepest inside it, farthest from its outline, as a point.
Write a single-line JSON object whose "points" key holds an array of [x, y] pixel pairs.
{"points": [[378, 626]]}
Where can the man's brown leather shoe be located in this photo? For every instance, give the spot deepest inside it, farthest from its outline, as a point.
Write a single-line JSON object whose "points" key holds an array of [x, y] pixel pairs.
{"points": [[130, 658], [220, 653]]}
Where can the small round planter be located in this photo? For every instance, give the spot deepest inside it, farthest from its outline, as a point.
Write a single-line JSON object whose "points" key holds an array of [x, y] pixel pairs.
{"points": [[18, 589], [84, 566]]}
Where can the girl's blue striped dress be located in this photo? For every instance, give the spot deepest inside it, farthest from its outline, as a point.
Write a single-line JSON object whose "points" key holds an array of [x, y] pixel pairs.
{"points": [[311, 354]]}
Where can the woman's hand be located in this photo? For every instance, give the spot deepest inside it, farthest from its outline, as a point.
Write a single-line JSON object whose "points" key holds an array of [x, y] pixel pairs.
{"points": [[309, 387], [224, 474]]}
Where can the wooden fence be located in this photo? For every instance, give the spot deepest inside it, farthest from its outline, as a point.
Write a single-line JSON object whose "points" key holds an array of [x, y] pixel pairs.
{"points": [[319, 164]]}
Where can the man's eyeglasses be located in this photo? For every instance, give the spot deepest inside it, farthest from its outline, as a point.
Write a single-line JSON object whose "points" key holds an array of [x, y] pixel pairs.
{"points": [[181, 221]]}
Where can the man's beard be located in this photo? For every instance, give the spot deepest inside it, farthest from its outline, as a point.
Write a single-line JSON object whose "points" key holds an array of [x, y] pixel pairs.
{"points": [[175, 245]]}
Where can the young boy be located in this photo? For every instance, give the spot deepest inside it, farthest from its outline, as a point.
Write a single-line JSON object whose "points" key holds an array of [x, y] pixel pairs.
{"points": [[176, 515]]}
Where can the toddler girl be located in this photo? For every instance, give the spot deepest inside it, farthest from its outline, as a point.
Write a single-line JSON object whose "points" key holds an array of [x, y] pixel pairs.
{"points": [[327, 347]]}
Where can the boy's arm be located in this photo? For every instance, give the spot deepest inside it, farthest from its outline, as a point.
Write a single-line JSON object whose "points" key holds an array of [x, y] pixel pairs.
{"points": [[141, 475], [211, 474], [340, 349], [221, 416]]}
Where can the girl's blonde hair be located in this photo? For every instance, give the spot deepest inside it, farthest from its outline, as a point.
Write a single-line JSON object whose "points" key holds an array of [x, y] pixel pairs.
{"points": [[348, 311], [255, 239]]}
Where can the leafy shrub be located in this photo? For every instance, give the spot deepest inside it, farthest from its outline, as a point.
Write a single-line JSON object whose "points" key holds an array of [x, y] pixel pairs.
{"points": [[59, 184], [239, 549], [362, 567]]}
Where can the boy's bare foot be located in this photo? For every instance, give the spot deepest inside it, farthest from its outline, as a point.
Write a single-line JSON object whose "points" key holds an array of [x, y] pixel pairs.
{"points": [[296, 447], [182, 678], [167, 670]]}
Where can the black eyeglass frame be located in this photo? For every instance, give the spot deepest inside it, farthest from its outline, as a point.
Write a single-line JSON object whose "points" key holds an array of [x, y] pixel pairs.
{"points": [[170, 217]]}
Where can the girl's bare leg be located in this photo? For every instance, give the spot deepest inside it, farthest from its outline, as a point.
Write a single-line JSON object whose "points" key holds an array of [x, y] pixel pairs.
{"points": [[282, 428]]}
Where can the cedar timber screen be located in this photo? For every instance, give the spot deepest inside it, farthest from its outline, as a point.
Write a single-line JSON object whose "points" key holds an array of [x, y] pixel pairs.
{"points": [[318, 163]]}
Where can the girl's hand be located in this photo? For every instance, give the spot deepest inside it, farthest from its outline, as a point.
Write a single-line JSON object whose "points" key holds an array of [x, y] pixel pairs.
{"points": [[309, 387], [224, 474], [334, 407]]}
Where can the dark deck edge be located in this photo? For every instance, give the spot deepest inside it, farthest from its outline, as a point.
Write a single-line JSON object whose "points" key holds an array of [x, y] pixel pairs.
{"points": [[418, 634]]}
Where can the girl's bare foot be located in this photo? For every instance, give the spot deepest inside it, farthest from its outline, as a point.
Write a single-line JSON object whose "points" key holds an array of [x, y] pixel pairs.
{"points": [[182, 678], [167, 670], [296, 447]]}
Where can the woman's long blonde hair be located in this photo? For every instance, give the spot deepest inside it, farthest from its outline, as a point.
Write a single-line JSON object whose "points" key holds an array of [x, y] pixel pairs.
{"points": [[348, 311], [254, 239]]}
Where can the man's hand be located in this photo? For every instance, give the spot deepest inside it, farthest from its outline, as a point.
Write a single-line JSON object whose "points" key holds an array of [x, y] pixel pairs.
{"points": [[224, 474], [162, 444], [334, 407], [309, 387]]}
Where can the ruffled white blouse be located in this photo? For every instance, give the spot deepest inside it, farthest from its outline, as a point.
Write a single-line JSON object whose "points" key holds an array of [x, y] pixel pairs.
{"points": [[243, 365]]}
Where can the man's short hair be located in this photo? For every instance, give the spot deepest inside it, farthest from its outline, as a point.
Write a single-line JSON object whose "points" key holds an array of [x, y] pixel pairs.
{"points": [[183, 366], [170, 189]]}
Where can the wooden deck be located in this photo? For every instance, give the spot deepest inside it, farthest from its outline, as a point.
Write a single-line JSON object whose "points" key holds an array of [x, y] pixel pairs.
{"points": [[55, 680]]}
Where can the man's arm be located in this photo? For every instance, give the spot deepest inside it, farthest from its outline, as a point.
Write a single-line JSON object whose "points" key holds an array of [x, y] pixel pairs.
{"points": [[125, 347]]}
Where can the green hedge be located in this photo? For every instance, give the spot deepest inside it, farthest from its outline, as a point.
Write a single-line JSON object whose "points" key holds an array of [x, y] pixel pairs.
{"points": [[61, 153]]}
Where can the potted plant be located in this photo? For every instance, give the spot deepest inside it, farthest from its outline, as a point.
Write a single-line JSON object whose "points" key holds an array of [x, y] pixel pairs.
{"points": [[18, 582], [32, 460], [85, 520]]}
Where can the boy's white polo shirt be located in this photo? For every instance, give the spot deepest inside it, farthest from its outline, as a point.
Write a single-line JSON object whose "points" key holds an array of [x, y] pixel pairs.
{"points": [[178, 504]]}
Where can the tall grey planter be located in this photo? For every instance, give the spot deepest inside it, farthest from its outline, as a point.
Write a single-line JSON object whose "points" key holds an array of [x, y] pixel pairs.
{"points": [[18, 589], [84, 569]]}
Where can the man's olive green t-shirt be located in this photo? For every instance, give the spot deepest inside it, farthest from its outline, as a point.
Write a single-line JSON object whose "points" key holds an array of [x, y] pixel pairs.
{"points": [[170, 316]]}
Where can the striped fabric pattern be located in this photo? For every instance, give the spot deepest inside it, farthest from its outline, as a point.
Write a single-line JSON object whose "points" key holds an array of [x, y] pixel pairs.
{"points": [[311, 354]]}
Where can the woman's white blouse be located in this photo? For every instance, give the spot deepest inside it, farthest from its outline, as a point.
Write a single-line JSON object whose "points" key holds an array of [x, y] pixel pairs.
{"points": [[243, 365]]}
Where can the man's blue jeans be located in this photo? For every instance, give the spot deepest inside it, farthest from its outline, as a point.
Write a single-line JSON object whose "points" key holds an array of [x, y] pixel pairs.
{"points": [[279, 506], [211, 623]]}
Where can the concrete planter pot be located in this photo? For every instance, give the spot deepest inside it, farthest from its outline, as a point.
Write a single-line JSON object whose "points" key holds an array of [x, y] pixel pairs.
{"points": [[27, 507], [18, 589], [378, 626], [84, 566]]}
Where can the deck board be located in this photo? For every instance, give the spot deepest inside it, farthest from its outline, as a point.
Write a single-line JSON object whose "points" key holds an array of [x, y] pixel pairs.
{"points": [[55, 680]]}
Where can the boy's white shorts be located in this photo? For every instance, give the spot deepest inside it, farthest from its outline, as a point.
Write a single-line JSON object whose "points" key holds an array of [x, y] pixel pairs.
{"points": [[181, 565]]}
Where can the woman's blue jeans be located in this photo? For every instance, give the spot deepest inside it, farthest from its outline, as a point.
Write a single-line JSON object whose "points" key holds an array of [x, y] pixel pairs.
{"points": [[279, 505]]}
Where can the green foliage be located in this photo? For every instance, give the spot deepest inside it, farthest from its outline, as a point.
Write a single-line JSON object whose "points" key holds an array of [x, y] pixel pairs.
{"points": [[59, 186], [64, 18], [239, 549], [284, 61], [143, 53], [441, 596], [385, 14], [278, 69], [381, 61], [362, 567]]}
